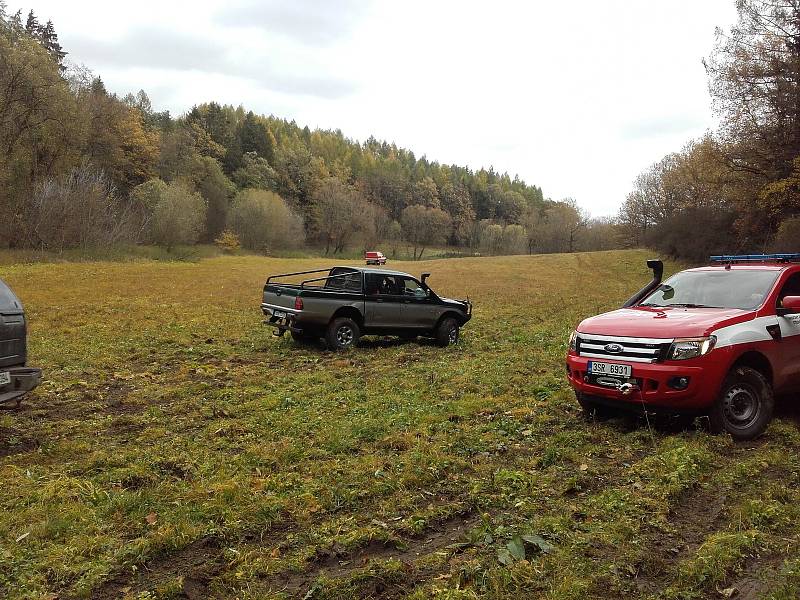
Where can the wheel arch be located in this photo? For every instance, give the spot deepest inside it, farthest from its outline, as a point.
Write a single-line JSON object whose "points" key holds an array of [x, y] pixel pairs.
{"points": [[351, 313], [758, 361], [448, 314]]}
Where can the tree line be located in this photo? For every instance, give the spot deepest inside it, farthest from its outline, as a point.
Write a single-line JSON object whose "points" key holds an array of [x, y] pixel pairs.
{"points": [[737, 189], [82, 167]]}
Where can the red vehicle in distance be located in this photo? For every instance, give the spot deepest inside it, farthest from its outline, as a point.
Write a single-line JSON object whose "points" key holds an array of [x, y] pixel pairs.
{"points": [[375, 258], [721, 341]]}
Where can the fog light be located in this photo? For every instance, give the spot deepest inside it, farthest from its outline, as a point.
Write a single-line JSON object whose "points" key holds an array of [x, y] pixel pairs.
{"points": [[678, 383]]}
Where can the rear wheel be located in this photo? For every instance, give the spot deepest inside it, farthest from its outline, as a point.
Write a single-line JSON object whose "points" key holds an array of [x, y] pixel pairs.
{"points": [[447, 332], [342, 333], [745, 405]]}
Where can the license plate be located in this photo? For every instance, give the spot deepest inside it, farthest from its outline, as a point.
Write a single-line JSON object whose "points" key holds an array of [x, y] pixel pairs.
{"points": [[279, 314], [610, 369], [5, 378]]}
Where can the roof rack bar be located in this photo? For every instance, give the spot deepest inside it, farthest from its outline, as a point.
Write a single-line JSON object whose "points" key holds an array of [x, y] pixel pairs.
{"points": [[271, 277], [733, 258], [348, 274]]}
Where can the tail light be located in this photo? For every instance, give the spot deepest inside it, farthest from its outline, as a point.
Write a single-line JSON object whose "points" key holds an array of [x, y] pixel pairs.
{"points": [[298, 303]]}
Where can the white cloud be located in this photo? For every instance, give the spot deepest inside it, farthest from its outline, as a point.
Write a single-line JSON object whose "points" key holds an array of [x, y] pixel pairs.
{"points": [[575, 97]]}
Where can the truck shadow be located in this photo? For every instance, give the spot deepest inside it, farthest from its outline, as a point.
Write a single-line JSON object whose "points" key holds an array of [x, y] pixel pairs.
{"points": [[788, 409], [369, 343], [393, 342]]}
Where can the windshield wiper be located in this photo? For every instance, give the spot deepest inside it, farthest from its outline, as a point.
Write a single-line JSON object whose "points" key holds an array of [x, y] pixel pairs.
{"points": [[690, 305]]}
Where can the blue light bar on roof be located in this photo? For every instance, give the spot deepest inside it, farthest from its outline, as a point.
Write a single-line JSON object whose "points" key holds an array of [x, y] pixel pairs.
{"points": [[756, 258]]}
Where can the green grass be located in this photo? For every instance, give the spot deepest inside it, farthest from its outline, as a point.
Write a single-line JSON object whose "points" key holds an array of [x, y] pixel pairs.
{"points": [[177, 449]]}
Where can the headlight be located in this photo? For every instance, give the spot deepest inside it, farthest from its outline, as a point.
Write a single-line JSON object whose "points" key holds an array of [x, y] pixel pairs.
{"points": [[573, 341], [684, 348]]}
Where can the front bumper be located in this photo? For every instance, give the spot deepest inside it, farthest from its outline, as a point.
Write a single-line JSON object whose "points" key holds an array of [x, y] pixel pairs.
{"points": [[652, 383], [23, 380]]}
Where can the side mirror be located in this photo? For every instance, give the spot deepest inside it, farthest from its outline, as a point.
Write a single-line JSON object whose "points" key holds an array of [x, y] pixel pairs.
{"points": [[791, 305], [424, 277]]}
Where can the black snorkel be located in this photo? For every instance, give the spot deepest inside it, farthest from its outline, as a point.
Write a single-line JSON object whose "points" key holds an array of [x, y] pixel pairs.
{"points": [[657, 267]]}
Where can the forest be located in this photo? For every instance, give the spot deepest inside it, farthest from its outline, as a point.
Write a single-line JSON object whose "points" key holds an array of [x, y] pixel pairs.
{"points": [[84, 168], [736, 188]]}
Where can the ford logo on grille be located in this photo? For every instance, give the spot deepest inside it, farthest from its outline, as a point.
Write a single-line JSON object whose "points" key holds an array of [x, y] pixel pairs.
{"points": [[613, 348]]}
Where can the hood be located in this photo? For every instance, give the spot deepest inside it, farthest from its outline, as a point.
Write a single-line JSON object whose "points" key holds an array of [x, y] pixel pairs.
{"points": [[460, 303], [646, 322]]}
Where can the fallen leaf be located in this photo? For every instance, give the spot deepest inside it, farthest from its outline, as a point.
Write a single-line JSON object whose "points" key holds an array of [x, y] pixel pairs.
{"points": [[516, 547], [151, 518], [584, 467], [23, 536], [538, 541], [729, 592]]}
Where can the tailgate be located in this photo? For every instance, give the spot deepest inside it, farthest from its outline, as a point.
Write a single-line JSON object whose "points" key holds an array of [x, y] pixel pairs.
{"points": [[280, 296], [13, 346]]}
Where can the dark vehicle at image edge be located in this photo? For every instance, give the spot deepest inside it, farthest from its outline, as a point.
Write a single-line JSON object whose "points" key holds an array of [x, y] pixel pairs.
{"points": [[348, 302], [15, 378]]}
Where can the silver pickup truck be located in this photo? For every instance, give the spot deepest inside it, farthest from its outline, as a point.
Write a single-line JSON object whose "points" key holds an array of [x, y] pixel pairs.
{"points": [[16, 378], [347, 302]]}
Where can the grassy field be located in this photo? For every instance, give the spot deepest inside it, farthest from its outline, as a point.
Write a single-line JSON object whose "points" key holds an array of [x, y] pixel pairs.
{"points": [[177, 449]]}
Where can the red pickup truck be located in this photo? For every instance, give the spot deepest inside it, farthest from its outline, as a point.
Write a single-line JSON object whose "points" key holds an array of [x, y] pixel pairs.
{"points": [[721, 340], [374, 258]]}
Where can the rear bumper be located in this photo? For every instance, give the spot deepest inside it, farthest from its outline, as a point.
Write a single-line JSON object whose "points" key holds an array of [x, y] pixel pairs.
{"points": [[23, 380], [653, 382], [281, 324]]}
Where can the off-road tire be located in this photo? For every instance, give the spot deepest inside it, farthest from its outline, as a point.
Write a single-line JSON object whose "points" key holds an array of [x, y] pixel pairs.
{"points": [[745, 405], [447, 332], [342, 333]]}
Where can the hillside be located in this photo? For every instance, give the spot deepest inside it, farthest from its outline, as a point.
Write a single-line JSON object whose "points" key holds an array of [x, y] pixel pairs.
{"points": [[178, 448]]}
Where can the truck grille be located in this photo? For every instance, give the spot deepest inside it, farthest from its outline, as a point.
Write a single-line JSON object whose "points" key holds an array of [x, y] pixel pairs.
{"points": [[648, 350]]}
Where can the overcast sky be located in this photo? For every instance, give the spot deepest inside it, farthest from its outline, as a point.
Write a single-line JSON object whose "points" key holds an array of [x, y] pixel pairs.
{"points": [[576, 97]]}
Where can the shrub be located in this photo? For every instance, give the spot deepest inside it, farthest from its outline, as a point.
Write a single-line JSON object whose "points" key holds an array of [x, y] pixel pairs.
{"points": [[228, 241], [264, 222], [79, 210], [178, 217]]}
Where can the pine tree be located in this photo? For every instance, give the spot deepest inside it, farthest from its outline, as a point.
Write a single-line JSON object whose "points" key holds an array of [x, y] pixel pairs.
{"points": [[49, 39], [32, 24]]}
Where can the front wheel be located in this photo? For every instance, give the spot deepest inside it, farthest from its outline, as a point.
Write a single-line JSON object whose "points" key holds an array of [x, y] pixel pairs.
{"points": [[342, 333], [745, 405], [447, 332]]}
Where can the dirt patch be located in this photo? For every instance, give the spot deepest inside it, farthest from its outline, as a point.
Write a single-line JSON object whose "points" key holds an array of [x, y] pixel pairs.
{"points": [[755, 578], [14, 442], [336, 562], [198, 563], [698, 514]]}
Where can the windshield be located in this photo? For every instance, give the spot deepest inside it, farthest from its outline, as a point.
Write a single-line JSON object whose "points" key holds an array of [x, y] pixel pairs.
{"points": [[740, 288]]}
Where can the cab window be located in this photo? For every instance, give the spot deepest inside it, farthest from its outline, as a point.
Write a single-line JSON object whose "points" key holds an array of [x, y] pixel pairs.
{"points": [[379, 284], [413, 288]]}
